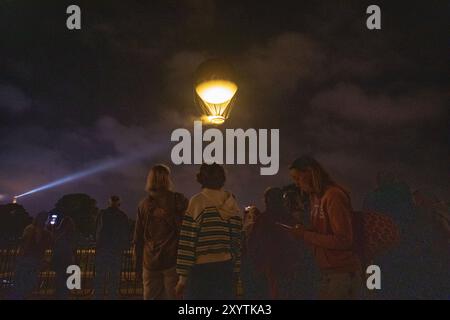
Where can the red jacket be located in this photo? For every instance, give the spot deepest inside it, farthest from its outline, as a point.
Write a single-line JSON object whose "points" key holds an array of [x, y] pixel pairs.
{"points": [[332, 232]]}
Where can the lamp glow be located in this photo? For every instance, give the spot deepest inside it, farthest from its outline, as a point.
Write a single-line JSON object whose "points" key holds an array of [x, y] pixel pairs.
{"points": [[215, 90], [216, 96]]}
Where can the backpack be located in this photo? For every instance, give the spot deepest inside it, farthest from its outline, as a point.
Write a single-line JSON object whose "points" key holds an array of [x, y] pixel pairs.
{"points": [[374, 234]]}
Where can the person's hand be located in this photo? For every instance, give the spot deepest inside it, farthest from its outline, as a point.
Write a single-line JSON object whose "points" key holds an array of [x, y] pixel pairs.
{"points": [[179, 290], [298, 231]]}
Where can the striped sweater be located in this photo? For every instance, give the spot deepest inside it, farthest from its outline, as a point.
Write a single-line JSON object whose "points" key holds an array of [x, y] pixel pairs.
{"points": [[209, 232]]}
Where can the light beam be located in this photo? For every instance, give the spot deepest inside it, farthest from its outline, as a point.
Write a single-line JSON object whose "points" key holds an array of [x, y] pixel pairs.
{"points": [[90, 171]]}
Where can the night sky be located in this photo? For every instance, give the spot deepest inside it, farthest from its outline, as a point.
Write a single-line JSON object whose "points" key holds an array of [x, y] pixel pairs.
{"points": [[360, 101]]}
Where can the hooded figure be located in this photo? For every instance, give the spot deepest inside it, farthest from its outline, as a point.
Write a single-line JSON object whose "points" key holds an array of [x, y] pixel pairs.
{"points": [[223, 201], [209, 250]]}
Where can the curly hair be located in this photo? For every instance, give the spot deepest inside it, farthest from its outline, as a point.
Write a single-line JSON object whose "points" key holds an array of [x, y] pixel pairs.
{"points": [[211, 176]]}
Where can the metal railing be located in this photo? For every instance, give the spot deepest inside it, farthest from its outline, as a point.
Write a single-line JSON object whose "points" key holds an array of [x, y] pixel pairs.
{"points": [[129, 287]]}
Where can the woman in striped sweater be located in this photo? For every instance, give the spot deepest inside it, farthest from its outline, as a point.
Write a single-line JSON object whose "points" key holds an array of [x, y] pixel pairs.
{"points": [[209, 248]]}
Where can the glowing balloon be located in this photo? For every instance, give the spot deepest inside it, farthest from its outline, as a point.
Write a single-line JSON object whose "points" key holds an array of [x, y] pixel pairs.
{"points": [[215, 90]]}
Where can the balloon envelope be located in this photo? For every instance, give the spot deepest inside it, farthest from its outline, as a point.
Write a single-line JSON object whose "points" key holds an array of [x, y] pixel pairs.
{"points": [[215, 90]]}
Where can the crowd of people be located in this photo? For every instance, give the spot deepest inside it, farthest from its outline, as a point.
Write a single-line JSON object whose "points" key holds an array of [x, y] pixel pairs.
{"points": [[301, 245], [37, 238]]}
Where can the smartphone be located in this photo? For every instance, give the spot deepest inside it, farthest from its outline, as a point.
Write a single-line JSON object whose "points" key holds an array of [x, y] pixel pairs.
{"points": [[53, 217], [284, 225]]}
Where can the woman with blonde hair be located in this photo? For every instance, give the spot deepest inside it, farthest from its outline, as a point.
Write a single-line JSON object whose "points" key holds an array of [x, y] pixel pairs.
{"points": [[156, 234]]}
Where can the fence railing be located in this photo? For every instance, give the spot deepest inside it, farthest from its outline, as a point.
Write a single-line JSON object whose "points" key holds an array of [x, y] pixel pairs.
{"points": [[129, 286]]}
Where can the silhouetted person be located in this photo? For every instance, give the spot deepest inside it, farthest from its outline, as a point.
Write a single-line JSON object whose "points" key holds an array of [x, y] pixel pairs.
{"points": [[251, 215], [432, 243], [437, 210], [393, 198], [331, 233], [254, 283], [156, 235], [63, 255], [35, 241], [112, 238], [209, 253], [297, 203], [423, 247], [273, 252]]}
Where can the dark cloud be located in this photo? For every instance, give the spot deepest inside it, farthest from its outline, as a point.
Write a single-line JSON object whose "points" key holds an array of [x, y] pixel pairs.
{"points": [[13, 100], [349, 102], [278, 66], [359, 101], [37, 156]]}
